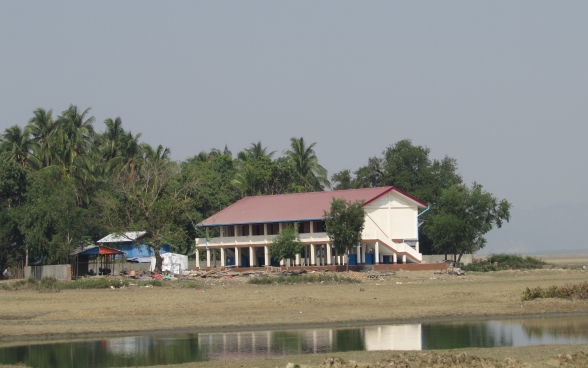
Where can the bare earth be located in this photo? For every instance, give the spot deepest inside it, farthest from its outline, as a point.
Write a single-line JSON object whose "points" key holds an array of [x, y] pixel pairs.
{"points": [[233, 304]]}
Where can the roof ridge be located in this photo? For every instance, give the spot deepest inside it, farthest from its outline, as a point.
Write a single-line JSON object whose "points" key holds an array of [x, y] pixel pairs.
{"points": [[315, 192]]}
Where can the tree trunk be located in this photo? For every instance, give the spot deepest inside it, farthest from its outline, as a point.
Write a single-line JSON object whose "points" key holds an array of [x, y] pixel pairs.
{"points": [[26, 256], [459, 258], [158, 260], [347, 263]]}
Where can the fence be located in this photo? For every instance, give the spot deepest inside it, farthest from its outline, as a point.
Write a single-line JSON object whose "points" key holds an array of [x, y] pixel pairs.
{"points": [[60, 272]]}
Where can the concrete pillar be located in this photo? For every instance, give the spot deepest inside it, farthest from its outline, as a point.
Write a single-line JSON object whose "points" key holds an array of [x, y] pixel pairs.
{"points": [[197, 259], [280, 227], [298, 259], [208, 258], [235, 230], [266, 255], [394, 258], [214, 257], [265, 229], [329, 259], [223, 258], [312, 227], [358, 251], [377, 253], [312, 254], [282, 263], [363, 249], [237, 257], [404, 259], [381, 258], [345, 259], [252, 260], [250, 229]]}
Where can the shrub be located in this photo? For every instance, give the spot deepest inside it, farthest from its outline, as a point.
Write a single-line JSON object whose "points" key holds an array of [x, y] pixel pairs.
{"points": [[301, 279], [505, 262], [48, 285], [571, 291]]}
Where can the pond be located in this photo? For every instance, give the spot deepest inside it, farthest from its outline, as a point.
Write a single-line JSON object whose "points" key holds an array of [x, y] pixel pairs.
{"points": [[183, 348]]}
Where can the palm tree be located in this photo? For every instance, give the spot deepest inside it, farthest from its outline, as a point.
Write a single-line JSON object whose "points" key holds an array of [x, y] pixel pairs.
{"points": [[110, 140], [306, 165], [17, 146], [255, 151], [129, 156], [41, 126], [74, 133], [247, 181], [158, 154]]}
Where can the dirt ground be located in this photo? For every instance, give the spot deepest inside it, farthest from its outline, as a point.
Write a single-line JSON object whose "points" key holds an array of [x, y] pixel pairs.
{"points": [[218, 305]]}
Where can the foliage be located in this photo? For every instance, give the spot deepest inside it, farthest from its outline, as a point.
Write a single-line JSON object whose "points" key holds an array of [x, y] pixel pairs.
{"points": [[463, 215], [13, 182], [497, 262], [409, 168], [48, 285], [286, 245], [310, 174], [344, 224], [302, 279], [153, 201], [571, 291]]}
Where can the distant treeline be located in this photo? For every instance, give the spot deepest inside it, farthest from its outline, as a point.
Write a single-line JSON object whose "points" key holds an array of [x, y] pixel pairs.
{"points": [[64, 184]]}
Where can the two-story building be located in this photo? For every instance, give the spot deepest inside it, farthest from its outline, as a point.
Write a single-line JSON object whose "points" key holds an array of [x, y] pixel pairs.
{"points": [[244, 230]]}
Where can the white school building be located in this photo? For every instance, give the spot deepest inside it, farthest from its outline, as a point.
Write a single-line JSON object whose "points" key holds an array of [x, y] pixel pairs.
{"points": [[244, 230]]}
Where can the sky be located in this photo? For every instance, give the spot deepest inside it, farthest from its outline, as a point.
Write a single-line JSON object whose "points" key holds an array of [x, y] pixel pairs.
{"points": [[500, 86]]}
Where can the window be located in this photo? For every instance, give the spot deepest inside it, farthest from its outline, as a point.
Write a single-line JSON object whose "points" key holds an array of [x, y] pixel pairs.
{"points": [[319, 227]]}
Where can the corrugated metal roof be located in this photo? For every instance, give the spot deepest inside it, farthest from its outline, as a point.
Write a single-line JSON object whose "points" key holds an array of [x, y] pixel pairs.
{"points": [[122, 238], [294, 207], [95, 249]]}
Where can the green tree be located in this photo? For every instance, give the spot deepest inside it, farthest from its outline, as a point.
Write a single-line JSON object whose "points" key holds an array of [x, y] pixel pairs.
{"points": [[344, 224], [41, 126], [286, 245], [13, 181], [17, 146], [463, 216], [154, 201], [312, 175], [51, 220], [74, 132]]}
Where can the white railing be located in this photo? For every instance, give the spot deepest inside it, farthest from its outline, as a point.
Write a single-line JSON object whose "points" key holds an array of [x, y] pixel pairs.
{"points": [[308, 238], [257, 239]]}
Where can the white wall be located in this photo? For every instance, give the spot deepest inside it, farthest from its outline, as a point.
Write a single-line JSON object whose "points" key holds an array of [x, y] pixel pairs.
{"points": [[392, 215]]}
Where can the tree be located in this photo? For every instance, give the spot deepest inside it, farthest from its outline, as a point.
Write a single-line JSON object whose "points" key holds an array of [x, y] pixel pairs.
{"points": [[306, 164], [41, 126], [74, 132], [13, 182], [286, 245], [51, 220], [344, 224], [409, 168], [463, 216], [17, 146], [154, 201]]}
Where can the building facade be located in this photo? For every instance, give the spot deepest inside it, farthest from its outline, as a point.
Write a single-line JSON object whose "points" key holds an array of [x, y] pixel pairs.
{"points": [[240, 234]]}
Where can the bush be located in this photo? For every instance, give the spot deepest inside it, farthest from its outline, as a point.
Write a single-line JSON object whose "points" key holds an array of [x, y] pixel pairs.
{"points": [[48, 285], [571, 291], [301, 279], [505, 262], [98, 283]]}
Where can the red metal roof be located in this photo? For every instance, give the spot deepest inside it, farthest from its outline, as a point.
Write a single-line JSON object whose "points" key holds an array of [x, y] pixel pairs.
{"points": [[294, 207]]}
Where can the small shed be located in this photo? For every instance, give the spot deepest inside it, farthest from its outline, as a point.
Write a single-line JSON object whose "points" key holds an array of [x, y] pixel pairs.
{"points": [[100, 256]]}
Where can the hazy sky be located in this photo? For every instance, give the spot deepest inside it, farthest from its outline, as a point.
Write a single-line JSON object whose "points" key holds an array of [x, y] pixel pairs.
{"points": [[500, 86]]}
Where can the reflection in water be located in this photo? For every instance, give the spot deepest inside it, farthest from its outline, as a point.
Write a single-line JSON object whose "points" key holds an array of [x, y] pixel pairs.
{"points": [[154, 350]]}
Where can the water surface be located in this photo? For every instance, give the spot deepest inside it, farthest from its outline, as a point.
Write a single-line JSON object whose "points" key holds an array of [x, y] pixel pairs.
{"points": [[183, 348]]}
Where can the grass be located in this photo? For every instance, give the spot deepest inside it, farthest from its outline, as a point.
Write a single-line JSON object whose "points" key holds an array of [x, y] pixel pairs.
{"points": [[571, 291], [498, 262], [52, 285], [302, 279]]}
